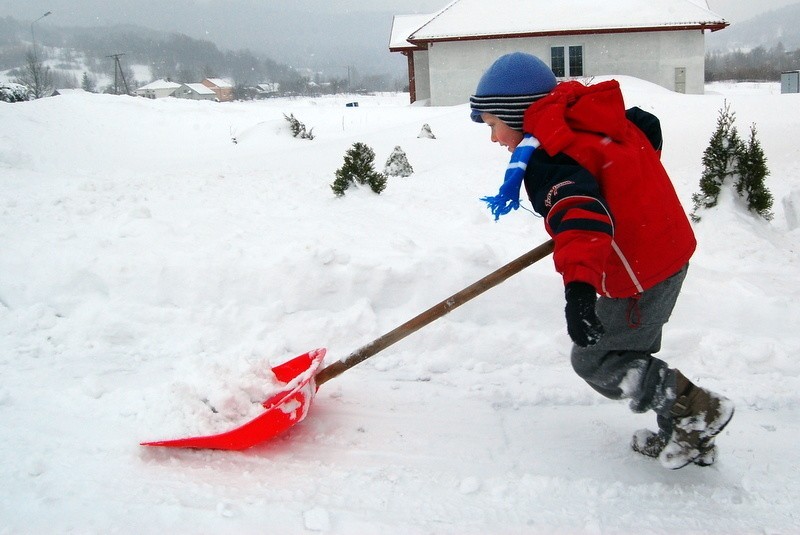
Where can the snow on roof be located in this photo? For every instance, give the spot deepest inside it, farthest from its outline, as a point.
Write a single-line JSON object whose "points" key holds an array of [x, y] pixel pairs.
{"points": [[220, 82], [200, 89], [161, 84], [402, 27], [478, 18]]}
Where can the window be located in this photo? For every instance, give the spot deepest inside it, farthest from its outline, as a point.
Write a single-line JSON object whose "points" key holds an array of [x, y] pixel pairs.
{"points": [[557, 61], [576, 61], [563, 65]]}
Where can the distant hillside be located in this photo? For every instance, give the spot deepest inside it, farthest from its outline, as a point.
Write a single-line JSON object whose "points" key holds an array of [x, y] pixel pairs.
{"points": [[330, 38], [767, 30], [167, 55]]}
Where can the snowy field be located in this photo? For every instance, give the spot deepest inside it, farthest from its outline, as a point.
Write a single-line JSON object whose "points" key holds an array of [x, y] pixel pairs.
{"points": [[151, 269]]}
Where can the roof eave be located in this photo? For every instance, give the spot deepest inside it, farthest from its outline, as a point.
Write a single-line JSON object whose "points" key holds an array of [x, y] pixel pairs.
{"points": [[408, 48], [422, 42]]}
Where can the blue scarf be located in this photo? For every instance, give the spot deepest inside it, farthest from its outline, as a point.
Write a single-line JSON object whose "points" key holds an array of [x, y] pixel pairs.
{"points": [[508, 197]]}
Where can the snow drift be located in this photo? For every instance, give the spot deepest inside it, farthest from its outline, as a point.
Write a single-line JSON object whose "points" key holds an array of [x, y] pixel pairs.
{"points": [[152, 271]]}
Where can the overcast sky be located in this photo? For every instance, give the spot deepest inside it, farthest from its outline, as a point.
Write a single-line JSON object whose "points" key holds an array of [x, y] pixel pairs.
{"points": [[739, 10], [300, 33], [87, 12]]}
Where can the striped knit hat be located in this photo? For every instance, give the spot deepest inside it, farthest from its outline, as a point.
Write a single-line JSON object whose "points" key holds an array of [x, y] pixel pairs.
{"points": [[509, 86]]}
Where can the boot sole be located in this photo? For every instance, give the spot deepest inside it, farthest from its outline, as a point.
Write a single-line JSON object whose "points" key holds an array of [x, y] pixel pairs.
{"points": [[707, 456]]}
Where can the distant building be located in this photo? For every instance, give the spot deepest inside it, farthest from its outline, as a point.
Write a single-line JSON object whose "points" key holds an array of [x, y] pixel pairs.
{"points": [[269, 89], [659, 41], [69, 91], [221, 87], [195, 92], [157, 89], [790, 82]]}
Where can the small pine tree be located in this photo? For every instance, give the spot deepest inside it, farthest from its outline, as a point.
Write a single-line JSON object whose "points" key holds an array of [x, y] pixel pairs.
{"points": [[752, 170], [426, 132], [719, 161], [358, 168], [728, 156], [298, 129], [87, 83], [397, 164], [13, 92]]}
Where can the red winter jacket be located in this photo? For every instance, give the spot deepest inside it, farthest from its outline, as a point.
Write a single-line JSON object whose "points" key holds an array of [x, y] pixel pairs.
{"points": [[608, 202]]}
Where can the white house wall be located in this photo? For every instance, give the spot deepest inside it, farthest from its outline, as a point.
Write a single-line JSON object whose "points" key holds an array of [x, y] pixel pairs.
{"points": [[455, 67], [651, 56]]}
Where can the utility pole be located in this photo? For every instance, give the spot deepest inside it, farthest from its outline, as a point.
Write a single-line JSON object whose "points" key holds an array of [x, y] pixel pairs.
{"points": [[36, 68], [33, 37], [119, 74]]}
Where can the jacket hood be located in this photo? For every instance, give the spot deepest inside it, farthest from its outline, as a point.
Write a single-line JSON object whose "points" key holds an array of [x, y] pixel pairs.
{"points": [[573, 107]]}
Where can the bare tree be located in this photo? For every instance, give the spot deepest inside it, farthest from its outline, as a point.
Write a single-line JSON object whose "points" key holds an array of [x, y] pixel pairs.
{"points": [[36, 76]]}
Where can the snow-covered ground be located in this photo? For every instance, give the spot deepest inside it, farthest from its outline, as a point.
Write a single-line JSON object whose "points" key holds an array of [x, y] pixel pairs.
{"points": [[151, 269]]}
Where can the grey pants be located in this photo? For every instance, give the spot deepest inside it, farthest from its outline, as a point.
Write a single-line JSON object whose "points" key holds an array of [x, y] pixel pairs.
{"points": [[621, 365]]}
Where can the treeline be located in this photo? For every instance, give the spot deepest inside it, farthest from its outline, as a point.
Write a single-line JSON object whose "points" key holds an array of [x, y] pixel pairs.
{"points": [[757, 64]]}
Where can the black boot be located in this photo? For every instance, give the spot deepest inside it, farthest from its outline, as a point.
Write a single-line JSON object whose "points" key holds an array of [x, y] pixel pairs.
{"points": [[650, 443]]}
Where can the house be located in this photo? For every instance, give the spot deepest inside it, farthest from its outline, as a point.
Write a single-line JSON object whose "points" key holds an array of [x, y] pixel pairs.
{"points": [[268, 89], [68, 91], [157, 89], [195, 92], [660, 41], [222, 88]]}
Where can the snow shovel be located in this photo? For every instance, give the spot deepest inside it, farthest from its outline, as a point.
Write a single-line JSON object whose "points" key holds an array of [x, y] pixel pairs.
{"points": [[290, 405]]}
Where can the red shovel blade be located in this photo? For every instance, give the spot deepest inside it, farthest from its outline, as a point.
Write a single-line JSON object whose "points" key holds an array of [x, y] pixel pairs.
{"points": [[283, 410]]}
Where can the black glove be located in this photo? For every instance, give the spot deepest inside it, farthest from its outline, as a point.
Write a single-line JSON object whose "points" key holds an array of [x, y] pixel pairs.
{"points": [[583, 325]]}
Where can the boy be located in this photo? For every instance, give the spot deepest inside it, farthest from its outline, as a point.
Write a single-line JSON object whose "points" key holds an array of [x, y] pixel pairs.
{"points": [[592, 169]]}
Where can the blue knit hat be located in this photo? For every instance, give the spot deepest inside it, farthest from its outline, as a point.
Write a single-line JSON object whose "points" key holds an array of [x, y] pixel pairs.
{"points": [[509, 86]]}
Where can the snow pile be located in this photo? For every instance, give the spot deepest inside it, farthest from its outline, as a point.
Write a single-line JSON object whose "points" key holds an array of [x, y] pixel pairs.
{"points": [[153, 271]]}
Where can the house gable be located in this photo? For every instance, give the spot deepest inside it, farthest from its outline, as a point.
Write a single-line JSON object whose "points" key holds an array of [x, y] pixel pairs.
{"points": [[404, 26], [195, 92], [222, 88]]}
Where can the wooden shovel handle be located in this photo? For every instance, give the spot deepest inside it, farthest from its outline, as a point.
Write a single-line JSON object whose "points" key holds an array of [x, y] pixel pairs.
{"points": [[435, 312]]}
